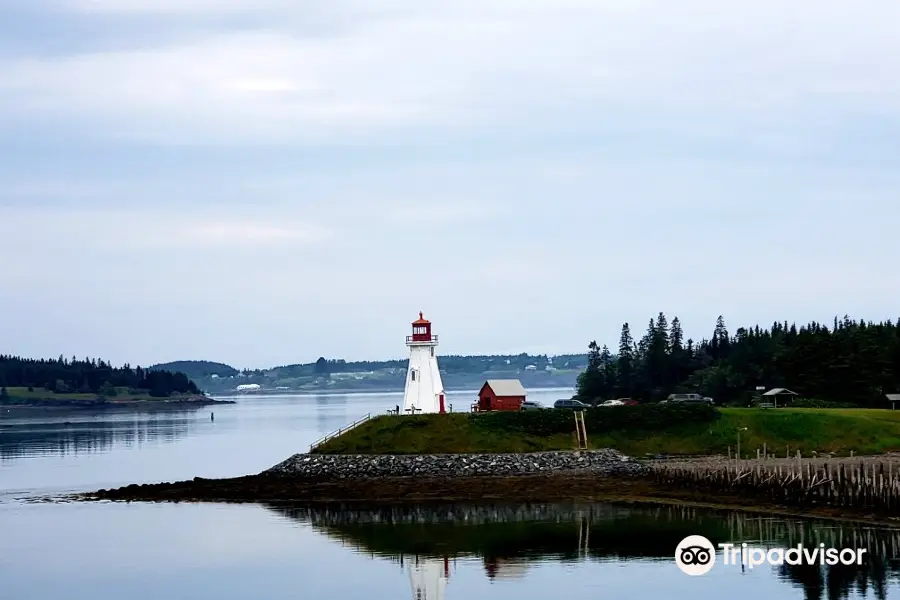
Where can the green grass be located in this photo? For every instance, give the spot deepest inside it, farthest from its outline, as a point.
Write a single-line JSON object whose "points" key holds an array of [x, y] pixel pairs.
{"points": [[426, 434], [41, 394], [633, 430]]}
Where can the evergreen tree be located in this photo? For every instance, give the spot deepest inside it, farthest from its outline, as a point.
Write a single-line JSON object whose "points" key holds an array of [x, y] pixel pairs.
{"points": [[590, 384], [608, 369], [676, 337], [625, 363], [661, 334], [854, 362]]}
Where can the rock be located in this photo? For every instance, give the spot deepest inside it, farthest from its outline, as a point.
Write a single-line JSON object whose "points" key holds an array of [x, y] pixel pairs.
{"points": [[327, 466]]}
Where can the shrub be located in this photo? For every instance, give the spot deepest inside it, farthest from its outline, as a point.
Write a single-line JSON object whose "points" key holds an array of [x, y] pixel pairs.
{"points": [[813, 403]]}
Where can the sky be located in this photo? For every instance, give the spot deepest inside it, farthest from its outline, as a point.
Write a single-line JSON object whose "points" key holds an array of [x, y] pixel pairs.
{"points": [[263, 182]]}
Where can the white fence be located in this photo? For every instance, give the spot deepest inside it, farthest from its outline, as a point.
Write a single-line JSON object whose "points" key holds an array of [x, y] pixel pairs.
{"points": [[344, 429]]}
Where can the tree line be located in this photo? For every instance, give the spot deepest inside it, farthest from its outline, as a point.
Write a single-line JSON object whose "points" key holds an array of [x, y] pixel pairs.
{"points": [[90, 375], [449, 363], [852, 361]]}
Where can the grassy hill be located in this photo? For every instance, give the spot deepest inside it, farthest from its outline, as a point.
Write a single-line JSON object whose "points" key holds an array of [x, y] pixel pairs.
{"points": [[635, 430]]}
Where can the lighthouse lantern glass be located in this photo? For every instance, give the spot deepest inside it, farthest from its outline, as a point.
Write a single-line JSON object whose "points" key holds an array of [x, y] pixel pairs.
{"points": [[421, 332]]}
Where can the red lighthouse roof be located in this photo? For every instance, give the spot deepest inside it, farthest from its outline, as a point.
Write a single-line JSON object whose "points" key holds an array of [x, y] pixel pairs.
{"points": [[421, 320]]}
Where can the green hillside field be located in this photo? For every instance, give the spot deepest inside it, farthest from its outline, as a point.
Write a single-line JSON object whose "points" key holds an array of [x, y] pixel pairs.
{"points": [[634, 430]]}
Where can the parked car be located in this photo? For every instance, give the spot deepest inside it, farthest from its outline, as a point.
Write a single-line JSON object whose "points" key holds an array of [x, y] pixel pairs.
{"points": [[531, 405], [570, 404], [688, 399], [611, 403]]}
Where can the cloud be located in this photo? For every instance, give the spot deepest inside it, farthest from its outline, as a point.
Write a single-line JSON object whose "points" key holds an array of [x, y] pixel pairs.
{"points": [[168, 6], [412, 68], [136, 230]]}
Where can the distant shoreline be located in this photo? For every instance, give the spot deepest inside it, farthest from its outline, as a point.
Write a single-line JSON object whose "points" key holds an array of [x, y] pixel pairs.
{"points": [[60, 405], [386, 391]]}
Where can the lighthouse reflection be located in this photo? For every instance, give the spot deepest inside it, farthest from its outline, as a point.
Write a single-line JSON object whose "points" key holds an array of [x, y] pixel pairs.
{"points": [[508, 540], [428, 577]]}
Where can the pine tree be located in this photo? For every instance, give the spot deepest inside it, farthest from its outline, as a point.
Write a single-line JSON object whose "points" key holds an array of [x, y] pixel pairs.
{"points": [[590, 382], [661, 334], [625, 362], [676, 337], [608, 370]]}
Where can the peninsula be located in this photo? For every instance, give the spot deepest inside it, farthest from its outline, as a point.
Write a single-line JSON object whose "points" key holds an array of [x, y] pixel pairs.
{"points": [[529, 457], [29, 384]]}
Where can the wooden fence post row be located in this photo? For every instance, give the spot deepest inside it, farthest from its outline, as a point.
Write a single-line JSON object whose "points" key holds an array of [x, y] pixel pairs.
{"points": [[872, 484]]}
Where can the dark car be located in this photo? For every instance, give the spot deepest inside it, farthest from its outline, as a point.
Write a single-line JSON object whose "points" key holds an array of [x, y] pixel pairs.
{"points": [[570, 404]]}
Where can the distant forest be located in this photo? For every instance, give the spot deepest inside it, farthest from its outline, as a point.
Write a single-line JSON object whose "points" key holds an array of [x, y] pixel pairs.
{"points": [[94, 376], [198, 369], [852, 362]]}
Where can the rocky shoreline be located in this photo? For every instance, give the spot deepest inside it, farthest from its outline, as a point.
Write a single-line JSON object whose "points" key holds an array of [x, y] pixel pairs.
{"points": [[548, 477], [529, 477], [337, 466]]}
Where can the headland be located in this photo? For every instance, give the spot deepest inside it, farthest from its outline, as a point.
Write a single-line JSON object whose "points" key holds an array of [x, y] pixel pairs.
{"points": [[455, 462], [45, 402]]}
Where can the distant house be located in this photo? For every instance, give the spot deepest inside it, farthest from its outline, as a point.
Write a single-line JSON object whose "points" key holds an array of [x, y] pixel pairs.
{"points": [[248, 387], [531, 368], [782, 395], [893, 399], [501, 394]]}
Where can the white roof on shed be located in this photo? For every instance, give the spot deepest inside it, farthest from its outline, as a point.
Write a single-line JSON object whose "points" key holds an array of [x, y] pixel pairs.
{"points": [[506, 387], [779, 391]]}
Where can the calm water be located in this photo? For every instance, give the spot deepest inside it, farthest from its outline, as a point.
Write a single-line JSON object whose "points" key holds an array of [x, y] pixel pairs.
{"points": [[149, 551]]}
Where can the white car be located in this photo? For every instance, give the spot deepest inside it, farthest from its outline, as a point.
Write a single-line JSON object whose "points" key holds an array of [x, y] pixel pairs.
{"points": [[611, 403]]}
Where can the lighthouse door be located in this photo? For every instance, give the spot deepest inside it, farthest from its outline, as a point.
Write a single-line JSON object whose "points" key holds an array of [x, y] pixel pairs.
{"points": [[441, 404]]}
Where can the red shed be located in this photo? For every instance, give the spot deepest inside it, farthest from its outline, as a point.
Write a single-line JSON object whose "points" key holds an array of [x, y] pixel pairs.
{"points": [[501, 394]]}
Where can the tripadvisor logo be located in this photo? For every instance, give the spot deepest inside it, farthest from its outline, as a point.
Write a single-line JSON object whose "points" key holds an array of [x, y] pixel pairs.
{"points": [[696, 555]]}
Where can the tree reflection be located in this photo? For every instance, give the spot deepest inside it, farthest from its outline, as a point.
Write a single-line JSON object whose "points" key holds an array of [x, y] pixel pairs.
{"points": [[85, 435], [510, 537]]}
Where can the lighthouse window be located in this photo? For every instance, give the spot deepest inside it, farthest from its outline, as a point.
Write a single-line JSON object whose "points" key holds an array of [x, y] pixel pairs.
{"points": [[432, 351], [412, 374]]}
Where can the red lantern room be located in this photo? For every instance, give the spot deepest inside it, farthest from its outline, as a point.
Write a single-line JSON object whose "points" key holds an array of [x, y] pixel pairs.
{"points": [[421, 331]]}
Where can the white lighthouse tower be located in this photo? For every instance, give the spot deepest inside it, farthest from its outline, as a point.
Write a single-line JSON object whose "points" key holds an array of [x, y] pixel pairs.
{"points": [[424, 391]]}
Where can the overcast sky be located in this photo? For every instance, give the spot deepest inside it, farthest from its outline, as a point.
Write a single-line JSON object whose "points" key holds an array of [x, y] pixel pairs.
{"points": [[262, 182]]}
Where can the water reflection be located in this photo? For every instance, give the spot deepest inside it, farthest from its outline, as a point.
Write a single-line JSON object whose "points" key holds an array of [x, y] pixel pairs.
{"points": [[84, 435], [508, 539]]}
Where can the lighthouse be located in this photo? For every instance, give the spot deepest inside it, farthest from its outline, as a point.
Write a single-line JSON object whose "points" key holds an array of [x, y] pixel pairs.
{"points": [[424, 391]]}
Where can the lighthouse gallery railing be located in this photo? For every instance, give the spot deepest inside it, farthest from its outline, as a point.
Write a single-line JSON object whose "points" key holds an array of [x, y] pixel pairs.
{"points": [[414, 338], [344, 429]]}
